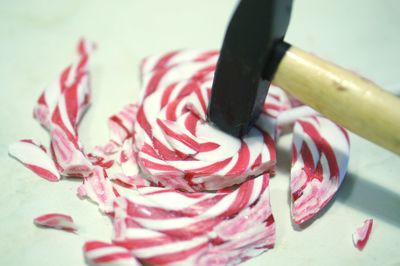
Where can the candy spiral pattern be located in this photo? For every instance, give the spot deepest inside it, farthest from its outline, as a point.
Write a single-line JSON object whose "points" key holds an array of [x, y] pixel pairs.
{"points": [[176, 146]]}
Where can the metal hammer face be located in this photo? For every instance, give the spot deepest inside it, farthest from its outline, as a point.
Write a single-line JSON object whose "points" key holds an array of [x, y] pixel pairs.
{"points": [[251, 51]]}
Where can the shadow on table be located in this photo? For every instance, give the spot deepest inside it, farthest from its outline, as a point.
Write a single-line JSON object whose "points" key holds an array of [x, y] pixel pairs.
{"points": [[370, 198]]}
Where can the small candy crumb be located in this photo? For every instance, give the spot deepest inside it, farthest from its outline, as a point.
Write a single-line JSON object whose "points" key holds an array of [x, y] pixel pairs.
{"points": [[56, 221], [361, 235]]}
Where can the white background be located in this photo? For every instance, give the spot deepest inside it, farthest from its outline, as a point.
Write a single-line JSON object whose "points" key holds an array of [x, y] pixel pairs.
{"points": [[37, 40]]}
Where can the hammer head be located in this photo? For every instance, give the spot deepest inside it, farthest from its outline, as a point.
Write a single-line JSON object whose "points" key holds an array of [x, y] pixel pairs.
{"points": [[250, 54]]}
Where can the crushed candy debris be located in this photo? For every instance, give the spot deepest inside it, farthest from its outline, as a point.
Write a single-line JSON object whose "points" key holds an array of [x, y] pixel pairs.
{"points": [[192, 194]]}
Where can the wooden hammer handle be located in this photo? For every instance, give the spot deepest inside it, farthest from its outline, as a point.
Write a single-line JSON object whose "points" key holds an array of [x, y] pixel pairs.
{"points": [[343, 96]]}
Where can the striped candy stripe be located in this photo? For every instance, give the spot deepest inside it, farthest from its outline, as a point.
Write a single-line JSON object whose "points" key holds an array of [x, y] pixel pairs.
{"points": [[56, 221], [320, 157], [361, 235], [34, 156], [163, 226], [175, 145], [98, 253]]}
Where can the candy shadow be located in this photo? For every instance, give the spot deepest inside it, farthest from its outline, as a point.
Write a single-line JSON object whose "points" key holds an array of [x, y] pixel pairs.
{"points": [[370, 198]]}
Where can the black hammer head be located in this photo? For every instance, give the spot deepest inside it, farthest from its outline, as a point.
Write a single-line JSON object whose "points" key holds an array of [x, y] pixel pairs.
{"points": [[250, 54]]}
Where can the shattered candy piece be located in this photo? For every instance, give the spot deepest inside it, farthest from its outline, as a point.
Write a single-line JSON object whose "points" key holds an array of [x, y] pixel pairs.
{"points": [[320, 157], [121, 125], [361, 235], [98, 253], [130, 181], [97, 187], [56, 221], [34, 156]]}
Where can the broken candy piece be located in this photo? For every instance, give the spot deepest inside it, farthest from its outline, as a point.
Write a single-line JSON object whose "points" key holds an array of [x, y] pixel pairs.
{"points": [[163, 226], [121, 125], [34, 156], [99, 189], [320, 157], [98, 253], [69, 76], [57, 221], [59, 109], [361, 235]]}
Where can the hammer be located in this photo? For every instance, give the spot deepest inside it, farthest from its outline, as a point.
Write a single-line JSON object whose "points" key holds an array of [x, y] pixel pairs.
{"points": [[254, 54]]}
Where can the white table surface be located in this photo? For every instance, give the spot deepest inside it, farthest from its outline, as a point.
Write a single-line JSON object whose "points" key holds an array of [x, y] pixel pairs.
{"points": [[37, 39]]}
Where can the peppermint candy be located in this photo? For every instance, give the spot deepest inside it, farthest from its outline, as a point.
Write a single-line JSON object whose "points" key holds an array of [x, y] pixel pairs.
{"points": [[166, 141], [175, 145]]}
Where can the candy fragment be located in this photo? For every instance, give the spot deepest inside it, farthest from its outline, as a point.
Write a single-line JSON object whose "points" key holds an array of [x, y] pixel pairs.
{"points": [[98, 253], [320, 157], [121, 124], [56, 221], [361, 235], [97, 187], [163, 226], [68, 78], [34, 156]]}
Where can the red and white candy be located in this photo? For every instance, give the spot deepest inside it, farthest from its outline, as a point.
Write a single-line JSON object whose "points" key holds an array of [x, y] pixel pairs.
{"points": [[56, 221], [34, 156], [98, 253], [68, 78], [175, 145], [60, 107], [361, 235], [320, 157], [166, 139], [163, 226]]}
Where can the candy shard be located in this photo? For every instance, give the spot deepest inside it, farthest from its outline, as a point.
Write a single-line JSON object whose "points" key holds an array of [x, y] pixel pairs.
{"points": [[127, 160], [68, 77], [121, 125], [361, 235], [98, 253], [99, 189], [56, 221], [34, 156], [320, 158]]}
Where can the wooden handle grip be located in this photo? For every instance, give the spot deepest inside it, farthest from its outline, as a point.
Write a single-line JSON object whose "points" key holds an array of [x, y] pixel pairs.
{"points": [[343, 96]]}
